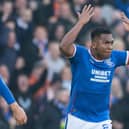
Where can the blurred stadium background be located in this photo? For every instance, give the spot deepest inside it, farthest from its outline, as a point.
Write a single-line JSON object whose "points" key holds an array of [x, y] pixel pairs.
{"points": [[34, 69]]}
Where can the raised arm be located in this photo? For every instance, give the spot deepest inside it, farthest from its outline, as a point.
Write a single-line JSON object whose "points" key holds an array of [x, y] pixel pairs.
{"points": [[66, 46], [125, 21]]}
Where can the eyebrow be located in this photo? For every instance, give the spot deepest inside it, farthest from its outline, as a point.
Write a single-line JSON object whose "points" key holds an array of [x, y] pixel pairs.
{"points": [[109, 41]]}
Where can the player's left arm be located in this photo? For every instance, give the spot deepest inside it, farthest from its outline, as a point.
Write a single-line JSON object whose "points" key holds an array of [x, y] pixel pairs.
{"points": [[125, 21], [127, 58], [121, 57]]}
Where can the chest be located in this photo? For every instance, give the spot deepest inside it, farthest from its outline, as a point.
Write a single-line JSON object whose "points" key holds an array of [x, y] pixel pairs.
{"points": [[97, 72]]}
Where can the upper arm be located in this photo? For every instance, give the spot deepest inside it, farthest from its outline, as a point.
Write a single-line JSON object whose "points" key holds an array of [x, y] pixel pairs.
{"points": [[68, 51], [78, 54], [75, 54], [121, 57]]}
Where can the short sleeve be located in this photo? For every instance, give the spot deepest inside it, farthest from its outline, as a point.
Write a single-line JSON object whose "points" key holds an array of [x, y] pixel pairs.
{"points": [[77, 53], [121, 57]]}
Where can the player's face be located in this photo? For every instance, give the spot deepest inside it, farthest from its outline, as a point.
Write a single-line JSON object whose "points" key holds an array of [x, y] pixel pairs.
{"points": [[104, 46]]}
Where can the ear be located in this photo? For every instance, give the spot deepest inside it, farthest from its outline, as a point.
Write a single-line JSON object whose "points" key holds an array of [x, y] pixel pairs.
{"points": [[93, 44]]}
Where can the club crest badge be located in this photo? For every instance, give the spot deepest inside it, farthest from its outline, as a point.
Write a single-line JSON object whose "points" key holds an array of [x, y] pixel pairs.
{"points": [[109, 62]]}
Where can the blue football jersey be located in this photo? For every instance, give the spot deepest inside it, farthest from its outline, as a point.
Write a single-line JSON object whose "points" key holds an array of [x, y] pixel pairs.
{"points": [[5, 92], [91, 84]]}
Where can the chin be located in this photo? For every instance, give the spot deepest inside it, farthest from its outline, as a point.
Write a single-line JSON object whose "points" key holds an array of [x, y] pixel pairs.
{"points": [[107, 56]]}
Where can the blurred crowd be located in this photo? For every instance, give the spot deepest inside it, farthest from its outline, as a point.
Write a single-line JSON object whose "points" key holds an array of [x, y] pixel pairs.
{"points": [[35, 71]]}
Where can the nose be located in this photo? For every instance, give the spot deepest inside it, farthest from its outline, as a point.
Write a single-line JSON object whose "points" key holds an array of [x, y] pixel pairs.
{"points": [[110, 46]]}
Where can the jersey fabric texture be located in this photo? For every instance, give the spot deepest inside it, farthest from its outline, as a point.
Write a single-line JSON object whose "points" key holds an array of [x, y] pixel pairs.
{"points": [[91, 84], [5, 92]]}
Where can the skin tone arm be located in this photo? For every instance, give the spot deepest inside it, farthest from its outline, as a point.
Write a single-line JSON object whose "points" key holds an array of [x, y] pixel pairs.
{"points": [[18, 113], [125, 21], [66, 45]]}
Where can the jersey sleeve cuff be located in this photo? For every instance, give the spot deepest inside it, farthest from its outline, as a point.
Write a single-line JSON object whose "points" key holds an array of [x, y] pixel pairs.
{"points": [[127, 58]]}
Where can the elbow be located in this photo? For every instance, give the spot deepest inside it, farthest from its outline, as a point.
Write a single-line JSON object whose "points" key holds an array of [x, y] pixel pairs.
{"points": [[62, 47]]}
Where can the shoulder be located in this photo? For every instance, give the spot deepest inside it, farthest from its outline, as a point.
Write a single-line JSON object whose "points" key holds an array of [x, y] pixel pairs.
{"points": [[120, 56], [81, 48], [79, 52], [117, 52]]}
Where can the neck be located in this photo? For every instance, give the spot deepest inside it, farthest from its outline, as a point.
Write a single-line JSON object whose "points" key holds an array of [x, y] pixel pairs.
{"points": [[95, 54]]}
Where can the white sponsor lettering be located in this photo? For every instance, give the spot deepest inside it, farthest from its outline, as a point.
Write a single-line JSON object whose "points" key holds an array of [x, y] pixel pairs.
{"points": [[100, 72], [99, 80], [100, 75]]}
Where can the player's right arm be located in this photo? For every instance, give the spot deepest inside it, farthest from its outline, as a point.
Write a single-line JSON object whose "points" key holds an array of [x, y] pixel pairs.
{"points": [[67, 43], [18, 112]]}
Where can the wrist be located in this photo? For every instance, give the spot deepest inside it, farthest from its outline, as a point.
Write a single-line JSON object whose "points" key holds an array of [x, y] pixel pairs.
{"points": [[14, 106], [81, 23]]}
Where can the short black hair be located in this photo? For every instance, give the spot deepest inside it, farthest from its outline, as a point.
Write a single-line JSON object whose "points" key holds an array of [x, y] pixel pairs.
{"points": [[98, 31]]}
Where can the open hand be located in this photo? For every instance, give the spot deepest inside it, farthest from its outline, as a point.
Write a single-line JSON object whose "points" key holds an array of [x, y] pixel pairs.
{"points": [[125, 21], [86, 14]]}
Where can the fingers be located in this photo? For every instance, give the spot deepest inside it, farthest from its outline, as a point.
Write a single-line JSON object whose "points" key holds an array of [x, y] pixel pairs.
{"points": [[78, 14], [86, 14], [25, 119], [88, 9], [123, 15], [22, 121], [91, 11], [84, 8], [124, 18]]}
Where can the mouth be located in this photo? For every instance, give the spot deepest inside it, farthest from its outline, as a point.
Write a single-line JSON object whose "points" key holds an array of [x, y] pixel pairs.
{"points": [[108, 52]]}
